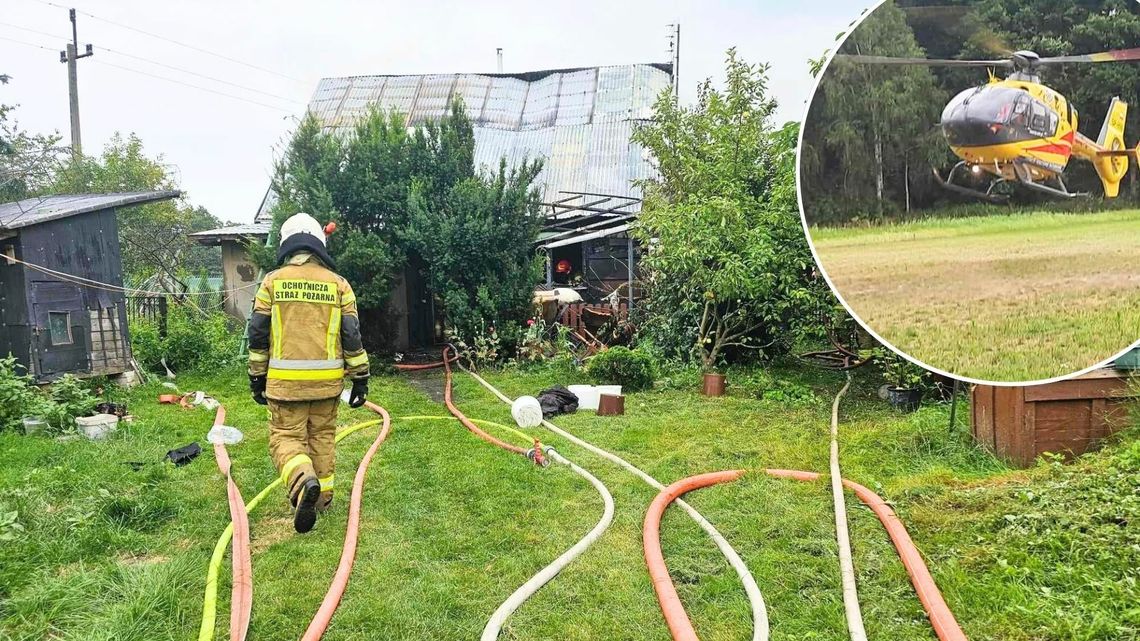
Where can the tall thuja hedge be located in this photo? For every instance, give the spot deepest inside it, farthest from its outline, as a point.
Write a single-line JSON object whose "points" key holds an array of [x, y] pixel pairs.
{"points": [[398, 194]]}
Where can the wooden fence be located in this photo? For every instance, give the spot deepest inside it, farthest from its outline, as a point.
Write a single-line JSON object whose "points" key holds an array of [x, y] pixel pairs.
{"points": [[148, 308], [590, 317]]}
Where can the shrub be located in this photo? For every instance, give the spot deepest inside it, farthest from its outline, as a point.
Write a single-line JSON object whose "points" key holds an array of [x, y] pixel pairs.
{"points": [[631, 369], [18, 396], [195, 340], [70, 397]]}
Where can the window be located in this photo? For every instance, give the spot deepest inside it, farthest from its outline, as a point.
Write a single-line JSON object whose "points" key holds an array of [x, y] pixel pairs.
{"points": [[59, 328]]}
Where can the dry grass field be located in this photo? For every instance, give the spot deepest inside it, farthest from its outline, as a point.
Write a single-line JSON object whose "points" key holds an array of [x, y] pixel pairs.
{"points": [[1002, 298]]}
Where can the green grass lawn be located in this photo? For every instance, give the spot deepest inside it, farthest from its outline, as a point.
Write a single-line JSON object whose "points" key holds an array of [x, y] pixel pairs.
{"points": [[1014, 297], [451, 525]]}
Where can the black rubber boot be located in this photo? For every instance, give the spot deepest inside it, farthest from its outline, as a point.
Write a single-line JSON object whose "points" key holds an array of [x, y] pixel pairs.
{"points": [[305, 516]]}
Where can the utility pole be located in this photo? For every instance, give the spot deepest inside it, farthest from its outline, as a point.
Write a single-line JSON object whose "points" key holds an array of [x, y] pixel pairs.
{"points": [[71, 57], [675, 51]]}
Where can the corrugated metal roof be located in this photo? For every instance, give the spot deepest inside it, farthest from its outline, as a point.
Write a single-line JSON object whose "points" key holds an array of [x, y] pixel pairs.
{"points": [[232, 232], [32, 211], [579, 121]]}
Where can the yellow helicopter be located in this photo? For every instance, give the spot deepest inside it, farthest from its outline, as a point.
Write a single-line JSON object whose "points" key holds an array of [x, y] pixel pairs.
{"points": [[1018, 131]]}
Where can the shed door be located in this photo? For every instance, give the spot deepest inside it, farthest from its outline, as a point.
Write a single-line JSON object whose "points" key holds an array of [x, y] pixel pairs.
{"points": [[60, 328]]}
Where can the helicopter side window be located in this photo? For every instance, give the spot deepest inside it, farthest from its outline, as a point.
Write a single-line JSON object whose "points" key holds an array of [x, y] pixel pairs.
{"points": [[1039, 121]]}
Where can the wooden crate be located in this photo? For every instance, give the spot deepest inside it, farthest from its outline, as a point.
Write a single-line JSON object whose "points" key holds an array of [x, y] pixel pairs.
{"points": [[1068, 417]]}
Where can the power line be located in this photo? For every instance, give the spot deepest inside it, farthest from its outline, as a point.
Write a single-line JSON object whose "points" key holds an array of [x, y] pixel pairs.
{"points": [[42, 33], [172, 41], [160, 64], [28, 44], [198, 87], [201, 75]]}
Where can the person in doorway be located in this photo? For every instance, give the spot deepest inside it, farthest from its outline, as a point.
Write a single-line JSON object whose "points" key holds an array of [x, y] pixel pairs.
{"points": [[304, 339]]}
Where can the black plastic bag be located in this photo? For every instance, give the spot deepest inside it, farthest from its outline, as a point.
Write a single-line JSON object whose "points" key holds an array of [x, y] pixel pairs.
{"points": [[184, 454], [557, 400]]}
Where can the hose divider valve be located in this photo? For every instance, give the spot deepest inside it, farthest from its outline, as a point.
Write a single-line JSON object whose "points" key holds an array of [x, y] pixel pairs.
{"points": [[537, 455]]}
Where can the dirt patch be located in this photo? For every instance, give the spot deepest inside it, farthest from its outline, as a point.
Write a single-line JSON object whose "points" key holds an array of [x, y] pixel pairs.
{"points": [[271, 532], [428, 382]]}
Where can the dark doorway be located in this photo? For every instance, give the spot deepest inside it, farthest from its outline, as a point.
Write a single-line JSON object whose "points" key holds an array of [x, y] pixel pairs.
{"points": [[421, 307]]}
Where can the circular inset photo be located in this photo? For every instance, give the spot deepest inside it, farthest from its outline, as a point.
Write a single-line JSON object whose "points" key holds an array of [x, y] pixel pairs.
{"points": [[969, 186]]}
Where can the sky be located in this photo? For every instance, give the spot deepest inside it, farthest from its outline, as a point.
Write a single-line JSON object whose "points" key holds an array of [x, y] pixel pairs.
{"points": [[272, 54]]}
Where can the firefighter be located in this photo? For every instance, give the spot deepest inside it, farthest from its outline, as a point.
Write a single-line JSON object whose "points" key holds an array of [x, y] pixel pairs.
{"points": [[304, 340]]}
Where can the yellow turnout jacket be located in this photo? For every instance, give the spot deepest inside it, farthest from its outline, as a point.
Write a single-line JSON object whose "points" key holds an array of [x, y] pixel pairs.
{"points": [[304, 332]]}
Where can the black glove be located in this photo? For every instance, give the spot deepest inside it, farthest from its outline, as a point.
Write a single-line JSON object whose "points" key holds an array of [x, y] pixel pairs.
{"points": [[257, 387], [359, 391]]}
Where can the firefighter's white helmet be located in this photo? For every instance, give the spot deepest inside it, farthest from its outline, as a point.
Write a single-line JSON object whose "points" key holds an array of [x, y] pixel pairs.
{"points": [[302, 223]]}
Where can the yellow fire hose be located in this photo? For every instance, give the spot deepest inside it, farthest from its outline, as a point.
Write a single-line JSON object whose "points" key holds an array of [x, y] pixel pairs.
{"points": [[210, 601]]}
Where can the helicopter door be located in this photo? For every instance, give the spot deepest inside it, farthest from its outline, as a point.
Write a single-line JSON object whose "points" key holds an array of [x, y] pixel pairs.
{"points": [[1039, 120]]}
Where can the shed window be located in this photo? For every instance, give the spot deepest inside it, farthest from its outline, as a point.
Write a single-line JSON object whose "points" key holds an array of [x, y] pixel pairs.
{"points": [[59, 328]]}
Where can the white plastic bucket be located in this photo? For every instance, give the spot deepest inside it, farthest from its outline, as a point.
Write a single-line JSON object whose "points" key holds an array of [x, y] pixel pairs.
{"points": [[587, 396], [97, 427], [609, 390]]}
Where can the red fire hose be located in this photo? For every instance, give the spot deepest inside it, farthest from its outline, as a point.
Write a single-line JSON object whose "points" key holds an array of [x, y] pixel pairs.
{"points": [[416, 367], [941, 618], [241, 596], [679, 625], [321, 620], [467, 422]]}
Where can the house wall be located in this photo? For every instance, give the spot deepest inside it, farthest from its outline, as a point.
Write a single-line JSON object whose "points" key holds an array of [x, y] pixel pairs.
{"points": [[86, 246], [239, 277]]}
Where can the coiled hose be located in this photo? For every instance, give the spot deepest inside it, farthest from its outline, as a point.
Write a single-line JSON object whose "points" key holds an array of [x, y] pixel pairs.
{"points": [[755, 599]]}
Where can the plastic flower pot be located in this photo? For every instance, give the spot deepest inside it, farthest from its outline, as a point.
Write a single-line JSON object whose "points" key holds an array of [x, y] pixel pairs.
{"points": [[904, 399], [611, 405], [713, 384]]}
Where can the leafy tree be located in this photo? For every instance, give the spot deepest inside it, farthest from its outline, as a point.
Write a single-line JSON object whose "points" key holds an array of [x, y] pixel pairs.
{"points": [[153, 236], [728, 267], [869, 125], [415, 199], [26, 161]]}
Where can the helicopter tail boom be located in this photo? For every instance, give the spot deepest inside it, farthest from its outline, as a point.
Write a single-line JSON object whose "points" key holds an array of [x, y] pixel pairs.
{"points": [[1111, 160]]}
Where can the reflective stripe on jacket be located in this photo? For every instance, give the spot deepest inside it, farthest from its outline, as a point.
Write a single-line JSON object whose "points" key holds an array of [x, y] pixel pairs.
{"points": [[304, 333]]}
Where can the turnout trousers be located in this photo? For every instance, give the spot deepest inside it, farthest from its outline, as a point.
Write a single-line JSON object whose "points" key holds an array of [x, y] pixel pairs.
{"points": [[302, 444]]}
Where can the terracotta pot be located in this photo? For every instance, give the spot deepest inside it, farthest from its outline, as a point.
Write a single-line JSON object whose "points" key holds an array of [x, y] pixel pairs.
{"points": [[610, 405], [713, 385]]}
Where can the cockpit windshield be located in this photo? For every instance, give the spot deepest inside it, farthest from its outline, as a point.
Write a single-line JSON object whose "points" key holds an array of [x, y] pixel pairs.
{"points": [[994, 115]]}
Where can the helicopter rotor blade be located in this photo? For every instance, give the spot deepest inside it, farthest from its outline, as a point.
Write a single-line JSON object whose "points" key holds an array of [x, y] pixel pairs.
{"points": [[1118, 55], [927, 62]]}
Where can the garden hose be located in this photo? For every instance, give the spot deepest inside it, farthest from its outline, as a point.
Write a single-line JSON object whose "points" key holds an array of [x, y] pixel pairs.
{"points": [[755, 599], [210, 600], [321, 620], [842, 536], [241, 597], [941, 618]]}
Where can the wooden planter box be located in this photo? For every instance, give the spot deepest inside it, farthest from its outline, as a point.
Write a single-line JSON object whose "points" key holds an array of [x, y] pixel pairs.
{"points": [[1069, 417]]}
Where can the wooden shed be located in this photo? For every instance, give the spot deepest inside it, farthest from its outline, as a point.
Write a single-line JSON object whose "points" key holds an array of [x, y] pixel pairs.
{"points": [[62, 309], [1067, 417]]}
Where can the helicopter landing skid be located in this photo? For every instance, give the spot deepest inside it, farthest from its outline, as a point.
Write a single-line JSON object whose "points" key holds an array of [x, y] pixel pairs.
{"points": [[987, 195], [1025, 179]]}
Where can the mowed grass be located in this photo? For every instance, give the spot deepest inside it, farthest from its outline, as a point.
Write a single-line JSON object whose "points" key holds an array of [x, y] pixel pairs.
{"points": [[1014, 297], [451, 526]]}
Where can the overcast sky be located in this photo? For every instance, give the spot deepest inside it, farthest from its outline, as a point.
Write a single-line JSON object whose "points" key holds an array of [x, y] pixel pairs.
{"points": [[222, 148]]}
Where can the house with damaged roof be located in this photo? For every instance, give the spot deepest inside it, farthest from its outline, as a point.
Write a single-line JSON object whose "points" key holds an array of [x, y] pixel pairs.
{"points": [[578, 121]]}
